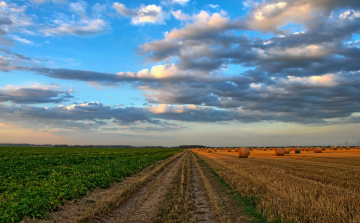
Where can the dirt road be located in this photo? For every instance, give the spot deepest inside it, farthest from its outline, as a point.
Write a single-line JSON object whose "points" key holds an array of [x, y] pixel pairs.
{"points": [[180, 189]]}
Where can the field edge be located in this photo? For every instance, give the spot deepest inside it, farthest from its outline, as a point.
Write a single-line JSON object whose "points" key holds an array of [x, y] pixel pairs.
{"points": [[246, 203]]}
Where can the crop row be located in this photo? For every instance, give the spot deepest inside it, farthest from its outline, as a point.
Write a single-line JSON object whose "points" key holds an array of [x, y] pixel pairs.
{"points": [[34, 181]]}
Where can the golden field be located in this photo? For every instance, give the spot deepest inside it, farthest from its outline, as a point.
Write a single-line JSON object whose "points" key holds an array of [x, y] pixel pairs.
{"points": [[297, 187]]}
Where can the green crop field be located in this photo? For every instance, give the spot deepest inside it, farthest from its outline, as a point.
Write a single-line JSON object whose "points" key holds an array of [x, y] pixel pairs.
{"points": [[33, 181]]}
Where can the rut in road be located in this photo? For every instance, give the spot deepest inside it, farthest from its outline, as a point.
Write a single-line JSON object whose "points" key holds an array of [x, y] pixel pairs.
{"points": [[185, 191], [147, 199]]}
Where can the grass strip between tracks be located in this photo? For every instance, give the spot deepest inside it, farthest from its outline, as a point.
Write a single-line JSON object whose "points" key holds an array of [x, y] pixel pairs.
{"points": [[247, 203]]}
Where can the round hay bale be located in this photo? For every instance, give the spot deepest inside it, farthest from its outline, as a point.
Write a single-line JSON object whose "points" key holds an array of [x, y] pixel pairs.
{"points": [[215, 150], [287, 150], [317, 150], [297, 150], [347, 148], [209, 151], [307, 149], [229, 150], [243, 152], [279, 152]]}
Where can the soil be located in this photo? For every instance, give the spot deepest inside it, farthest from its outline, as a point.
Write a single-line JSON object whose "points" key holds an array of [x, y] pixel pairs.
{"points": [[201, 206]]}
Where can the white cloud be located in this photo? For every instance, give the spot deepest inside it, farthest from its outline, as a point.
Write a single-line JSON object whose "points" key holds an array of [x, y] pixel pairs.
{"points": [[22, 40], [251, 3], [82, 28], [213, 6], [3, 4], [15, 14], [13, 20], [350, 14], [181, 16], [305, 51], [169, 2], [78, 24], [98, 8], [158, 71], [181, 2], [165, 108], [145, 14], [203, 23], [273, 15], [327, 80], [33, 86], [79, 8], [43, 1]]}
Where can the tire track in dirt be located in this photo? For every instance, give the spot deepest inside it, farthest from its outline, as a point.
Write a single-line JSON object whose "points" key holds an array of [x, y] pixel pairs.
{"points": [[201, 207], [187, 200], [185, 191], [223, 205], [143, 205]]}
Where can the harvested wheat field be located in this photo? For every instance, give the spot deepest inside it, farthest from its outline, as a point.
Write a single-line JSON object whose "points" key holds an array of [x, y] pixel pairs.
{"points": [[296, 187]]}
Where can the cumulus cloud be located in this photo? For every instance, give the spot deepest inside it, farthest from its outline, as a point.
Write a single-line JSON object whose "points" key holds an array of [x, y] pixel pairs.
{"points": [[204, 24], [298, 98], [210, 44], [192, 44], [273, 15], [144, 14], [292, 99], [159, 71], [309, 76]]}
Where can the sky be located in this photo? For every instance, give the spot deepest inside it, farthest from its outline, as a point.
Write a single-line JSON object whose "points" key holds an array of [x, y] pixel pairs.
{"points": [[176, 72]]}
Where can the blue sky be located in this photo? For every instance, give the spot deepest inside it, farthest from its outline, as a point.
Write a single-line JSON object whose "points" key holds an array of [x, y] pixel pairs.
{"points": [[170, 72]]}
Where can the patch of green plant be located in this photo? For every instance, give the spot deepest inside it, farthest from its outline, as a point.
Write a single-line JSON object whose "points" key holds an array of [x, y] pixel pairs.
{"points": [[35, 180]]}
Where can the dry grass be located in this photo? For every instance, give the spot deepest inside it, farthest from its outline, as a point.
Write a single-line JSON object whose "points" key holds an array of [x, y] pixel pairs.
{"points": [[305, 187]]}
